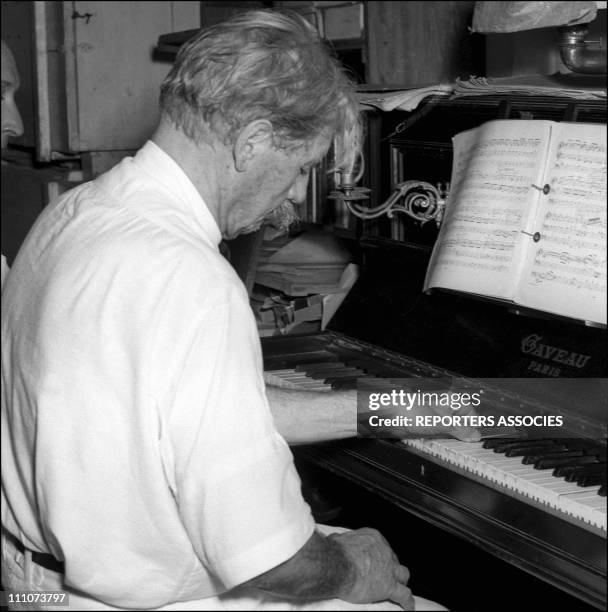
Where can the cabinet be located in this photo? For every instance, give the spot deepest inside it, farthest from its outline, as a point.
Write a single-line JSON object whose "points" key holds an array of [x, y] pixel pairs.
{"points": [[415, 43]]}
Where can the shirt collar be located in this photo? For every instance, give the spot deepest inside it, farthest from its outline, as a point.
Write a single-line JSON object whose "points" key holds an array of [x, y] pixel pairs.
{"points": [[165, 170]]}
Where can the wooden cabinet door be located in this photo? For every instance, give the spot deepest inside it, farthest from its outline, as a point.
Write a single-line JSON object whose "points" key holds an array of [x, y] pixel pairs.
{"points": [[418, 43], [112, 81], [98, 82]]}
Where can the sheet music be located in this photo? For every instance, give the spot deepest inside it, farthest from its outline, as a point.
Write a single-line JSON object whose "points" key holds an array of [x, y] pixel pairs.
{"points": [[566, 270], [479, 248]]}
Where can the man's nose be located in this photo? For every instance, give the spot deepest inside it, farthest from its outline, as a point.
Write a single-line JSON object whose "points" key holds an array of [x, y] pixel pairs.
{"points": [[11, 121]]}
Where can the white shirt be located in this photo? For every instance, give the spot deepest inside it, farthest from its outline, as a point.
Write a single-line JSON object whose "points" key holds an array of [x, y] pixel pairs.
{"points": [[137, 442]]}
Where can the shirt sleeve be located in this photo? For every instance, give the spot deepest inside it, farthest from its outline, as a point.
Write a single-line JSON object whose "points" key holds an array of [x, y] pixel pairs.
{"points": [[235, 483]]}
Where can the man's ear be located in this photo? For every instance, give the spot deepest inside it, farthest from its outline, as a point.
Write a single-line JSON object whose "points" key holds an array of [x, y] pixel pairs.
{"points": [[255, 138]]}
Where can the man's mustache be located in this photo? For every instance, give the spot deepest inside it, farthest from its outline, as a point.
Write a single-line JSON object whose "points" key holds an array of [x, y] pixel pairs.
{"points": [[282, 217]]}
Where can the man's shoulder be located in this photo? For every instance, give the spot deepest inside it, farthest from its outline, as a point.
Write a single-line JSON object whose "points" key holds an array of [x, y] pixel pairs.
{"points": [[123, 222], [117, 184]]}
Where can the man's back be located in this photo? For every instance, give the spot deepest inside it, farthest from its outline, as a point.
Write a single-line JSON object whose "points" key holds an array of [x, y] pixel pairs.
{"points": [[115, 316]]}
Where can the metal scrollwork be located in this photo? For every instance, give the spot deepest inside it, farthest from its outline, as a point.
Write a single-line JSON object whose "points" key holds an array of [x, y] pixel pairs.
{"points": [[416, 199]]}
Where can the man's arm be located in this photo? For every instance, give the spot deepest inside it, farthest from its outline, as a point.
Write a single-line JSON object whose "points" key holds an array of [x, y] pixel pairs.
{"points": [[304, 417], [356, 566]]}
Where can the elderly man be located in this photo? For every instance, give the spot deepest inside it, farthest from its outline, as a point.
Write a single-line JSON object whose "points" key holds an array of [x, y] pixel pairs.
{"points": [[12, 125], [141, 463]]}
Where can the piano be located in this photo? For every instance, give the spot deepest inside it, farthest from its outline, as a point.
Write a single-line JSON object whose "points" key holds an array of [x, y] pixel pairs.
{"points": [[525, 512]]}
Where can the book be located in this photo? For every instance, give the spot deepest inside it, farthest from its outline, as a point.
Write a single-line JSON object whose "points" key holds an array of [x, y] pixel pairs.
{"points": [[525, 220]]}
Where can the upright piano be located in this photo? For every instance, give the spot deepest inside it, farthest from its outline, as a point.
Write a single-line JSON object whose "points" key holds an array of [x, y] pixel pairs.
{"points": [[517, 519]]}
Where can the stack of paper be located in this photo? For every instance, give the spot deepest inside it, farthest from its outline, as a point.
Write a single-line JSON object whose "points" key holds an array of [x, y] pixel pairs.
{"points": [[569, 85], [301, 281], [403, 99], [311, 263]]}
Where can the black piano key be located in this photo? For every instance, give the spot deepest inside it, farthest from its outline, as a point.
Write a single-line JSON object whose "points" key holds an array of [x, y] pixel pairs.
{"points": [[546, 463], [329, 377], [350, 383], [571, 473], [343, 384], [530, 459], [505, 446], [319, 365], [494, 442], [581, 443], [522, 451], [602, 490], [565, 471], [590, 447], [592, 480], [599, 453]]}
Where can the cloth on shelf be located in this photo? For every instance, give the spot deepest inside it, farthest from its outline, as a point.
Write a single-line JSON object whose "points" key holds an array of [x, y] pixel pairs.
{"points": [[516, 16]]}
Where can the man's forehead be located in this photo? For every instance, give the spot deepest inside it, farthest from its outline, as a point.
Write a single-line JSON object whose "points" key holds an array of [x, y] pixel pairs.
{"points": [[316, 148]]}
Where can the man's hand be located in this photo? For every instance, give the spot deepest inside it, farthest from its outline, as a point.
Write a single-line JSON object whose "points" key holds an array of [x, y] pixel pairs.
{"points": [[377, 574], [356, 566], [462, 432]]}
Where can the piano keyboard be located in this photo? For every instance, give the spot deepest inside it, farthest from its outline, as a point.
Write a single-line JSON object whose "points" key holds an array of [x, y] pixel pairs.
{"points": [[585, 503], [569, 483]]}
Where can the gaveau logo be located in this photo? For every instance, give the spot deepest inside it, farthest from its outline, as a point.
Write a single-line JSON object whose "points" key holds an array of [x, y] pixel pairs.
{"points": [[532, 345]]}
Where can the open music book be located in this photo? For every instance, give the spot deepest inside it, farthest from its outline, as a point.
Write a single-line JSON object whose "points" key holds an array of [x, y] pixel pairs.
{"points": [[525, 219]]}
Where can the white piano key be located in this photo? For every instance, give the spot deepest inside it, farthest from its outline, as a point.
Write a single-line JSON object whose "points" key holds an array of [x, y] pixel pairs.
{"points": [[583, 493], [562, 487], [595, 502]]}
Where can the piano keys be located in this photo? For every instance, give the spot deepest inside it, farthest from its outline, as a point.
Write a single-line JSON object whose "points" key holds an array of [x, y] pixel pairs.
{"points": [[578, 501], [534, 470]]}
